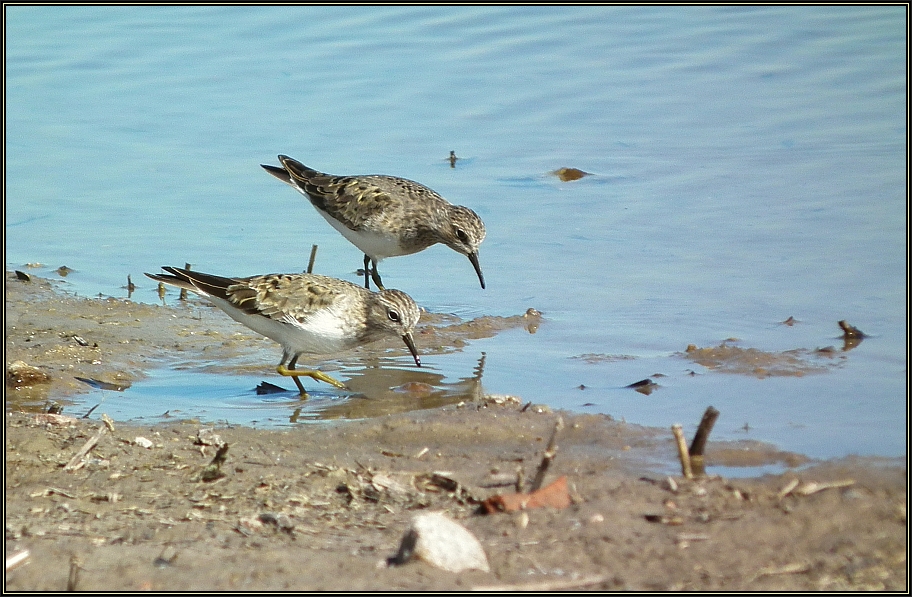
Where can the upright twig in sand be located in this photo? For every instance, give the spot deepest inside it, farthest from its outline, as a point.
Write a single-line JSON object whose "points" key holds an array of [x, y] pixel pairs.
{"points": [[692, 459], [683, 454], [547, 457], [699, 441]]}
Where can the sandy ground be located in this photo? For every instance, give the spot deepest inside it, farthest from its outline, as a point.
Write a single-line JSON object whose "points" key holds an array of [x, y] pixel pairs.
{"points": [[326, 506]]}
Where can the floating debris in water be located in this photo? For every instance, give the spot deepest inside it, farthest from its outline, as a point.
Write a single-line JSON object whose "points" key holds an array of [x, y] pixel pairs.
{"points": [[851, 336], [644, 386], [569, 174], [593, 358], [751, 361], [851, 331]]}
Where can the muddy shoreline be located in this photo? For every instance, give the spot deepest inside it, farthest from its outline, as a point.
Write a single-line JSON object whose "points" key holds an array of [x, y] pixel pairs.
{"points": [[322, 507]]}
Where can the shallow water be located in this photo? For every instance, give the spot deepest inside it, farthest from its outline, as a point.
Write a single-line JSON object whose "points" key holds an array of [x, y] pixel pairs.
{"points": [[747, 165]]}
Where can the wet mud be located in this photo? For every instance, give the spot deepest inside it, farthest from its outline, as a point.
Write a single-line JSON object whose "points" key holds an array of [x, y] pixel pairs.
{"points": [[187, 505]]}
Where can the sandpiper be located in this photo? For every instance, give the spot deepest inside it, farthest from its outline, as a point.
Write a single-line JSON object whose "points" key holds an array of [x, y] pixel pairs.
{"points": [[385, 216], [305, 313]]}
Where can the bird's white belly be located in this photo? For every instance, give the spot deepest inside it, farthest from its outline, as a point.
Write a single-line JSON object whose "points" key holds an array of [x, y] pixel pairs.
{"points": [[371, 243], [322, 333]]}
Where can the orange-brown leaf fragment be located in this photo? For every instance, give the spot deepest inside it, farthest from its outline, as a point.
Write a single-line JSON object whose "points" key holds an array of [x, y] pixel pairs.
{"points": [[554, 495]]}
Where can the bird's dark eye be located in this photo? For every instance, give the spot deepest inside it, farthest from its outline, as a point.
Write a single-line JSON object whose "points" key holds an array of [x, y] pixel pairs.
{"points": [[461, 235], [394, 316]]}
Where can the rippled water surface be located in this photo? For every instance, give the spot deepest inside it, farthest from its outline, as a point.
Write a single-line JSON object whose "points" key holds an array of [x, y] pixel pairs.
{"points": [[746, 165]]}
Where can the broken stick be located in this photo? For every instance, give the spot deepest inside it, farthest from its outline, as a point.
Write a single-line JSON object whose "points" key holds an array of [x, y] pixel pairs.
{"points": [[683, 454], [77, 462], [699, 441]]}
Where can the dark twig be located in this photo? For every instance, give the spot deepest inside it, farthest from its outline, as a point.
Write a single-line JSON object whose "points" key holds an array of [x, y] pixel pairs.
{"points": [[547, 457], [313, 257], [213, 470], [699, 441]]}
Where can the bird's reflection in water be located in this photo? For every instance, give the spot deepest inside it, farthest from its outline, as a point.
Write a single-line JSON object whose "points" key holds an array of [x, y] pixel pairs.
{"points": [[380, 388]]}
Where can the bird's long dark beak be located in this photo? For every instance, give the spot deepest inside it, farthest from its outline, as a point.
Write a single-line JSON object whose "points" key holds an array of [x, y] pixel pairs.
{"points": [[407, 338], [280, 173], [473, 257]]}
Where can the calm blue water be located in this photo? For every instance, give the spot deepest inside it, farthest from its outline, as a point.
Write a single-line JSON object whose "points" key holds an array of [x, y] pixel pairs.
{"points": [[748, 165]]}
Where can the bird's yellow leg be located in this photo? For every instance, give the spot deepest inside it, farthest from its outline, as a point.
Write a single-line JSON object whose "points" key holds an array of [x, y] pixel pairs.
{"points": [[313, 374]]}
